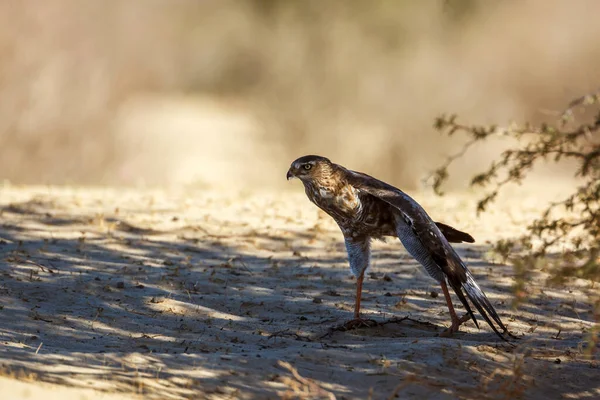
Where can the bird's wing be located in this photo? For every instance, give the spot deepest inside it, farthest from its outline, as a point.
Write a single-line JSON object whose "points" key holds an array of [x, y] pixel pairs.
{"points": [[432, 239], [429, 234]]}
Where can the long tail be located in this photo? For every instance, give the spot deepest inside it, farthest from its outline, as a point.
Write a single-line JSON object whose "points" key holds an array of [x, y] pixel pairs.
{"points": [[465, 303], [462, 279], [481, 303]]}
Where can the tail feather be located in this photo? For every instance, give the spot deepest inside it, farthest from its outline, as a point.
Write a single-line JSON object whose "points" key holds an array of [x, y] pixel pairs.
{"points": [[483, 305], [465, 303], [462, 279], [453, 235]]}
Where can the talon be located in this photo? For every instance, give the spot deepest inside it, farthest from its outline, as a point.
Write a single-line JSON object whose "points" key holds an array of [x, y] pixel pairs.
{"points": [[453, 328], [447, 333], [359, 323], [456, 323]]}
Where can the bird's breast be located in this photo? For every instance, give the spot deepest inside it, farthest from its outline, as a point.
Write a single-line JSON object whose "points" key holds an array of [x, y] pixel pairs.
{"points": [[338, 202], [348, 200], [357, 213], [325, 193]]}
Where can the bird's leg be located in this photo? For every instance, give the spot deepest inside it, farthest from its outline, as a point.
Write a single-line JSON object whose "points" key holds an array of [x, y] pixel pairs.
{"points": [[359, 251], [456, 322], [358, 322]]}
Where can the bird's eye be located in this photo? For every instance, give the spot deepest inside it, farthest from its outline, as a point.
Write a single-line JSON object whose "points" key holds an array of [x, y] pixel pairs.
{"points": [[307, 166]]}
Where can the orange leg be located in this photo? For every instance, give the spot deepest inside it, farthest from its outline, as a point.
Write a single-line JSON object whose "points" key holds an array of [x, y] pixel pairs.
{"points": [[358, 322], [456, 322]]}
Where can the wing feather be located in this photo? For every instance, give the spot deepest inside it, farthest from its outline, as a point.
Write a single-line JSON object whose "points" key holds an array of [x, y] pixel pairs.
{"points": [[429, 234]]}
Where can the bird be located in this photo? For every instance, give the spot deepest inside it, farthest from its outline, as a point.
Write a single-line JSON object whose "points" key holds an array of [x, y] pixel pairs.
{"points": [[366, 209]]}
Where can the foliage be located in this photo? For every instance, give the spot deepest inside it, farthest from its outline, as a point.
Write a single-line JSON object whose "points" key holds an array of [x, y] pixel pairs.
{"points": [[571, 225]]}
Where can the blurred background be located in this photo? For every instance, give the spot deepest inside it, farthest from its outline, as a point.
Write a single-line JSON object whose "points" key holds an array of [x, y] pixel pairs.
{"points": [[224, 92]]}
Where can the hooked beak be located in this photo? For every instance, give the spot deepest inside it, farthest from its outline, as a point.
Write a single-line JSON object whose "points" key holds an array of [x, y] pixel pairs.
{"points": [[289, 175]]}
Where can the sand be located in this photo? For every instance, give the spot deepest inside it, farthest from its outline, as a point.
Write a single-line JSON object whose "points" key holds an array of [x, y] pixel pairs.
{"points": [[204, 294]]}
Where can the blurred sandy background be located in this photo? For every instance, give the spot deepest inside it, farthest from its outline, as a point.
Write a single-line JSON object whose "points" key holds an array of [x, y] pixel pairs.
{"points": [[223, 92]]}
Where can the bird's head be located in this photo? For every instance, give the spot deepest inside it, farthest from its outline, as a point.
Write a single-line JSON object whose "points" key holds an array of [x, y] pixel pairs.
{"points": [[309, 168]]}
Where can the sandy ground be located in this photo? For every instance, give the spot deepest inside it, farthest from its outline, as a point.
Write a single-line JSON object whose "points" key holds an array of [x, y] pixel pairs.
{"points": [[109, 293]]}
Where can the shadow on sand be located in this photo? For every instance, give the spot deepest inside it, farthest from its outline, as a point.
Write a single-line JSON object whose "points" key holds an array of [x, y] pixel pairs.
{"points": [[90, 300]]}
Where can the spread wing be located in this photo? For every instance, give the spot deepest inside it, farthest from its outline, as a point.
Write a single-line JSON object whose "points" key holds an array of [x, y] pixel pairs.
{"points": [[435, 244]]}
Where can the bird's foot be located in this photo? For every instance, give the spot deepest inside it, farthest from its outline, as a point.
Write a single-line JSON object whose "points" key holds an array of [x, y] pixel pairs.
{"points": [[456, 323], [359, 323], [356, 323], [449, 332]]}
